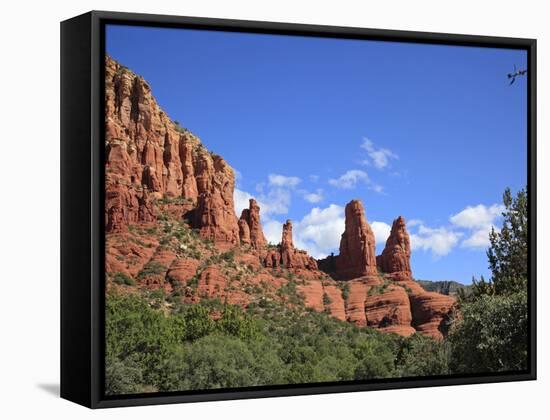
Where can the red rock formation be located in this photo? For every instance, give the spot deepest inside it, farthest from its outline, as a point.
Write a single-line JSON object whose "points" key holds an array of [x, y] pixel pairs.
{"points": [[182, 270], [397, 253], [212, 283], [146, 151], [285, 255], [153, 274], [356, 303], [312, 292], [357, 296], [390, 311], [215, 219], [127, 256], [430, 310], [244, 231], [333, 301], [152, 163], [357, 247], [250, 227]]}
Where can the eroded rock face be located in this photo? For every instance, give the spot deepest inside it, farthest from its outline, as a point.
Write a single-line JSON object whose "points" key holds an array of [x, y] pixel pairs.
{"points": [[430, 310], [152, 163], [149, 157], [357, 247], [250, 227], [285, 255], [390, 311], [397, 252], [181, 271]]}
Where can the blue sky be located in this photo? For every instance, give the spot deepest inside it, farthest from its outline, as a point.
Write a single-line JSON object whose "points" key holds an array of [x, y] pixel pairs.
{"points": [[433, 133]]}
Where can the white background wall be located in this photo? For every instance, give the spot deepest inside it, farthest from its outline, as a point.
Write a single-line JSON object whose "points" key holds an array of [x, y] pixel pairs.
{"points": [[29, 209]]}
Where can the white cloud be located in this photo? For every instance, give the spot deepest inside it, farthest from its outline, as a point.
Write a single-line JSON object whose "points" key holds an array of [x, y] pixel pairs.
{"points": [[273, 230], [277, 180], [320, 230], [440, 241], [381, 157], [381, 232], [478, 220], [276, 201], [479, 238], [351, 178], [479, 216], [314, 197], [241, 200], [377, 188]]}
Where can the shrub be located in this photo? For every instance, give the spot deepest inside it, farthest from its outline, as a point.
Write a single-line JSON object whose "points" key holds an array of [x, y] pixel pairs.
{"points": [[151, 268], [344, 287], [423, 356], [492, 335], [121, 278]]}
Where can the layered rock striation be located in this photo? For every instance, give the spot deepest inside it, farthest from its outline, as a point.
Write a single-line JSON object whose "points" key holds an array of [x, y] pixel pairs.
{"points": [[149, 157], [157, 171]]}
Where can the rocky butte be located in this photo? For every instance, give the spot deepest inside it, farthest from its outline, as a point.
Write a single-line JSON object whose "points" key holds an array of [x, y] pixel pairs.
{"points": [[171, 224]]}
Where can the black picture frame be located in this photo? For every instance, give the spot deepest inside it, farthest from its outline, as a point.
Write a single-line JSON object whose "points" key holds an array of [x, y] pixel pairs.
{"points": [[82, 205]]}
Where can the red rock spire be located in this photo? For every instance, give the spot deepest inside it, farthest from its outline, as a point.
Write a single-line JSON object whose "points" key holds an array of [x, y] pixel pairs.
{"points": [[357, 246], [397, 253]]}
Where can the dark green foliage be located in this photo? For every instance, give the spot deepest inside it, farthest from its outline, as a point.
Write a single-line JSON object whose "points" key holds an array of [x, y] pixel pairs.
{"points": [[121, 278], [228, 256], [268, 344], [422, 356], [138, 337], [326, 299], [508, 251], [344, 287], [492, 337], [151, 268], [122, 377], [290, 293], [223, 361]]}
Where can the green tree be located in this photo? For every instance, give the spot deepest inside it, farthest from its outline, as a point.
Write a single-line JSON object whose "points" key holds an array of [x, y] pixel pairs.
{"points": [[491, 335], [423, 356], [507, 254]]}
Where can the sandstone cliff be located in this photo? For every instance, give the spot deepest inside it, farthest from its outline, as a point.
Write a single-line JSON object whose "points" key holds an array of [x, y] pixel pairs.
{"points": [[149, 158], [171, 225]]}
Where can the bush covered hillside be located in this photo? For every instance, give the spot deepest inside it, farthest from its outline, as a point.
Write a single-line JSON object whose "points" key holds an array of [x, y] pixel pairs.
{"points": [[155, 342], [212, 345]]}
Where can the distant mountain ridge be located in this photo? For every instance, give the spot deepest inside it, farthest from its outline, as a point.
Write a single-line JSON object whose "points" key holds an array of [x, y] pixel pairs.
{"points": [[445, 287]]}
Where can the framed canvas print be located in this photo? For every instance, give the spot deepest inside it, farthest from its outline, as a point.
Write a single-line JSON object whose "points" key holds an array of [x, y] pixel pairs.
{"points": [[255, 209]]}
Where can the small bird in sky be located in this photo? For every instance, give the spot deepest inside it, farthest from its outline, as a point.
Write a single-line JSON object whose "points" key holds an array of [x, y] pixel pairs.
{"points": [[515, 74]]}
